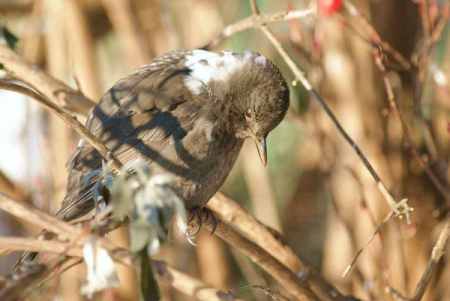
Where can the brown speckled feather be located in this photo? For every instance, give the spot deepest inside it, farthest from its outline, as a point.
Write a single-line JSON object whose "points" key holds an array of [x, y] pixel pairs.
{"points": [[146, 115]]}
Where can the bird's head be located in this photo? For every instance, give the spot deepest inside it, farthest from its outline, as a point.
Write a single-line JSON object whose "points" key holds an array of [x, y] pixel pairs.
{"points": [[250, 94]]}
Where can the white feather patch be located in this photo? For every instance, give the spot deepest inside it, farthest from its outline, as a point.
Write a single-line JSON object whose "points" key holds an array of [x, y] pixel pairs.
{"points": [[209, 66]]}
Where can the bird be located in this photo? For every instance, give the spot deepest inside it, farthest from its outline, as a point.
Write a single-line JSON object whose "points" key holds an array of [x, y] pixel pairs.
{"points": [[187, 114]]}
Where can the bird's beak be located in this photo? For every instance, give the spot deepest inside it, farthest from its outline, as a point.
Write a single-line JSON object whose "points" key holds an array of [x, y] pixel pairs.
{"points": [[261, 146]]}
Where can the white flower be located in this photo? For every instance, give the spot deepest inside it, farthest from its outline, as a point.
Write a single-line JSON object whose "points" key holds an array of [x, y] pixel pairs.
{"points": [[101, 270]]}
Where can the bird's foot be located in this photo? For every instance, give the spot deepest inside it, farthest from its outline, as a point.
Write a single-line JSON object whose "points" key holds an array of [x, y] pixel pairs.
{"points": [[197, 217]]}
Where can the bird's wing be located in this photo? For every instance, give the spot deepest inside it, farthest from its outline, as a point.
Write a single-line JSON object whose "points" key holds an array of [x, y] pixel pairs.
{"points": [[137, 118]]}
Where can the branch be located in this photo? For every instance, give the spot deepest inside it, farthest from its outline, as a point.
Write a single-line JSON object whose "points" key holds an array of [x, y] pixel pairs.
{"points": [[233, 214], [9, 244], [37, 217], [438, 251], [66, 116], [182, 282], [374, 37], [401, 208], [189, 285], [393, 104], [8, 186], [230, 212], [56, 91], [256, 21], [273, 267]]}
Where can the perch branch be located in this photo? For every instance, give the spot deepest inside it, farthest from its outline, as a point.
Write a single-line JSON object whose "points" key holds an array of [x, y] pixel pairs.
{"points": [[273, 267], [37, 217], [233, 214]]}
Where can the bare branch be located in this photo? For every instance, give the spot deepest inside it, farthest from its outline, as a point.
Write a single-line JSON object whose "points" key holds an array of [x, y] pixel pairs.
{"points": [[394, 106], [438, 251], [400, 208], [253, 21], [38, 245], [11, 188], [37, 217], [254, 6], [233, 214], [66, 116], [56, 91], [273, 267], [189, 285]]}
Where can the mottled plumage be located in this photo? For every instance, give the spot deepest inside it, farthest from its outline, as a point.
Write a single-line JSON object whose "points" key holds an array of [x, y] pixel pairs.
{"points": [[186, 113]]}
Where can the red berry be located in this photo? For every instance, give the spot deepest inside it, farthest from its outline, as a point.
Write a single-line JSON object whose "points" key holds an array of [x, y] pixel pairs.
{"points": [[329, 7]]}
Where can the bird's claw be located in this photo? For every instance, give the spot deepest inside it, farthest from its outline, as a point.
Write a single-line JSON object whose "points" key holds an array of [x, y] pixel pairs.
{"points": [[198, 216]]}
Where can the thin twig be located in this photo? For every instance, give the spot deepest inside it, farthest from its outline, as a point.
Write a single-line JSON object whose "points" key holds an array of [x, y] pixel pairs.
{"points": [[438, 251], [8, 186], [358, 253], [395, 294], [182, 282], [425, 17], [394, 106], [253, 21], [401, 208], [374, 37], [56, 91], [254, 6], [65, 115]]}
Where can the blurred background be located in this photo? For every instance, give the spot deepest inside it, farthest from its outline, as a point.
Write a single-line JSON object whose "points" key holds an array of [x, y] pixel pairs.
{"points": [[315, 191]]}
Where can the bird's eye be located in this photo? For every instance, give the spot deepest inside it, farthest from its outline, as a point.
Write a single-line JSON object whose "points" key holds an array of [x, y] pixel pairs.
{"points": [[248, 114]]}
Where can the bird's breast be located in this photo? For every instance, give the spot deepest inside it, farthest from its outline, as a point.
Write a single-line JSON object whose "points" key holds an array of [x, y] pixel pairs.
{"points": [[207, 153]]}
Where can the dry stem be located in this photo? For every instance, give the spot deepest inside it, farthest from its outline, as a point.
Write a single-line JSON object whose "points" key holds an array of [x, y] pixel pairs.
{"points": [[37, 217], [401, 208], [273, 267], [65, 115], [56, 91], [438, 251], [394, 106], [255, 21]]}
